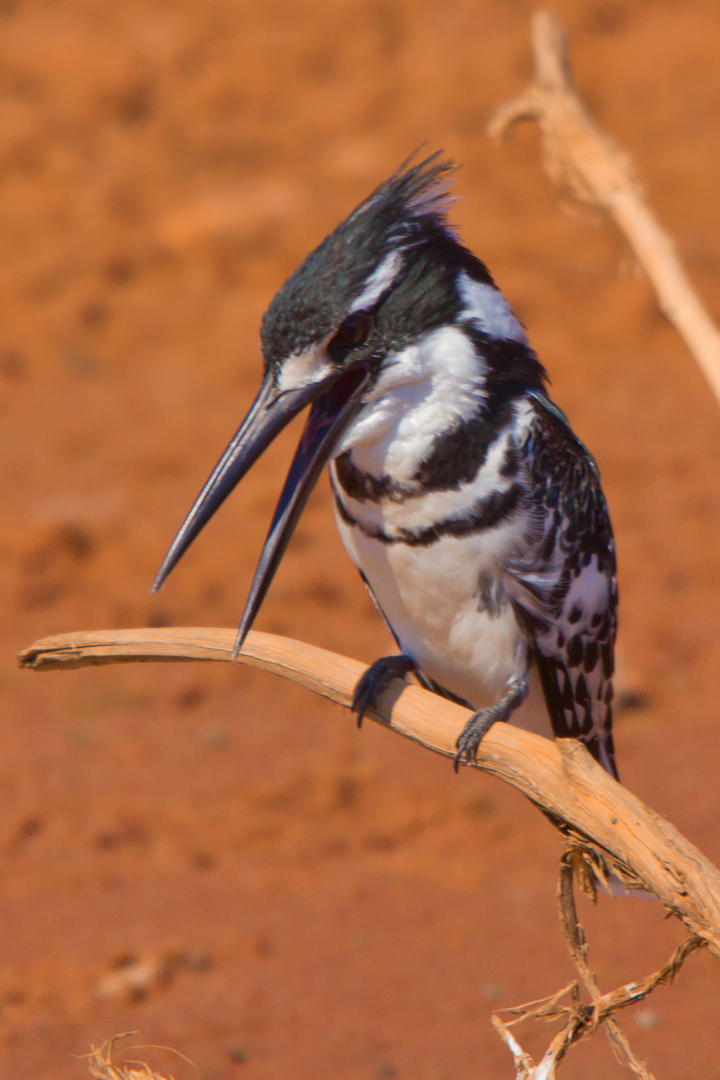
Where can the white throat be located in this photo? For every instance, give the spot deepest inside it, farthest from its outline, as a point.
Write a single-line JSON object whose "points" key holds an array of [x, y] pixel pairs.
{"points": [[422, 391]]}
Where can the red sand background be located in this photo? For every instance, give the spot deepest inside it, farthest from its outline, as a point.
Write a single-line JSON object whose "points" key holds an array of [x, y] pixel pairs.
{"points": [[321, 902]]}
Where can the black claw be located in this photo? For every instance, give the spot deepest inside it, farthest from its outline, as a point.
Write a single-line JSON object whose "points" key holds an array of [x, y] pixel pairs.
{"points": [[361, 701], [376, 679], [480, 722], [467, 746], [473, 734]]}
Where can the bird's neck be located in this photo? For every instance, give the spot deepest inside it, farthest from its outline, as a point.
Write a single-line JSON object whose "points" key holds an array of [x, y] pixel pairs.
{"points": [[445, 388], [423, 390]]}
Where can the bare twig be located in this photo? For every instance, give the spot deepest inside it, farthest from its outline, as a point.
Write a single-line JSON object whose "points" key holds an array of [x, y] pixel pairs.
{"points": [[524, 1064], [635, 992], [546, 1069], [578, 1025], [575, 941], [616, 832], [581, 1021], [546, 1009], [581, 159]]}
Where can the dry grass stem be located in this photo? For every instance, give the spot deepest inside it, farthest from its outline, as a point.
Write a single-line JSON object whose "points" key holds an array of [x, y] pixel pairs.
{"points": [[101, 1065], [582, 160]]}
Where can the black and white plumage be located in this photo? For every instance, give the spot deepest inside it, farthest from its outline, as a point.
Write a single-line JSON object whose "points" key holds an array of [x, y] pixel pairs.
{"points": [[474, 514]]}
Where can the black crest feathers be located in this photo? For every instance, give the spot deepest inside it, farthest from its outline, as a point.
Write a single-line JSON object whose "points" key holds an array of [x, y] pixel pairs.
{"points": [[411, 194], [403, 211]]}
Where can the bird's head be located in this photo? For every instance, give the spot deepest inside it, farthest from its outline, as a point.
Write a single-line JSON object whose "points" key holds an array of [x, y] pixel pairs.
{"points": [[383, 279]]}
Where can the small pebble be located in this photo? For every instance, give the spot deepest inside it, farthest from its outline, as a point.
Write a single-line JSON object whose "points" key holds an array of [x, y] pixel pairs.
{"points": [[647, 1018], [492, 991]]}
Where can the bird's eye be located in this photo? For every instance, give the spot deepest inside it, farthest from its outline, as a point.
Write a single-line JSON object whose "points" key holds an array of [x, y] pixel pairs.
{"points": [[354, 331]]}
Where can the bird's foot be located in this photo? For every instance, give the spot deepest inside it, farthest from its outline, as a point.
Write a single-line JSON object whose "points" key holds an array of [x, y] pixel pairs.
{"points": [[376, 679], [480, 722], [474, 732]]}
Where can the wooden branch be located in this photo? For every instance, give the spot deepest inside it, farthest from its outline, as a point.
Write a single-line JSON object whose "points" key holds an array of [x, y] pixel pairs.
{"points": [[581, 159], [617, 831]]}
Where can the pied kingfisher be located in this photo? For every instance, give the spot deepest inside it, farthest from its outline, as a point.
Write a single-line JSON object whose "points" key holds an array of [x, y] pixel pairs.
{"points": [[473, 513]]}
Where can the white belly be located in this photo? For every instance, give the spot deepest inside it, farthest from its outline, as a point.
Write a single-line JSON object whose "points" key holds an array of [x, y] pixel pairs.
{"points": [[430, 596]]}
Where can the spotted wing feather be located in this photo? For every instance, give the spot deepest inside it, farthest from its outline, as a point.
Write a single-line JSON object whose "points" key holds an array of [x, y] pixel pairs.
{"points": [[565, 584]]}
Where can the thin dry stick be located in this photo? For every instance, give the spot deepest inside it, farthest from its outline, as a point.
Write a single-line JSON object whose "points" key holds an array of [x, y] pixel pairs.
{"points": [[580, 158], [524, 1064], [547, 1067], [576, 1028], [575, 940], [581, 1020], [635, 992], [617, 831], [547, 1009]]}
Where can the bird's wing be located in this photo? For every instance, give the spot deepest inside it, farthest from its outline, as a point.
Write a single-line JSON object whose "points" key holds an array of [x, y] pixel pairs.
{"points": [[563, 582]]}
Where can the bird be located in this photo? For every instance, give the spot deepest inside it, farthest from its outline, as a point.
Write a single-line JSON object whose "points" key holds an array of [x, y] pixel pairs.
{"points": [[474, 514]]}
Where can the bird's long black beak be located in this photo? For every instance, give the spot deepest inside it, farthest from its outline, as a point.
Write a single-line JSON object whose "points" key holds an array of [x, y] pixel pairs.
{"points": [[336, 400]]}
